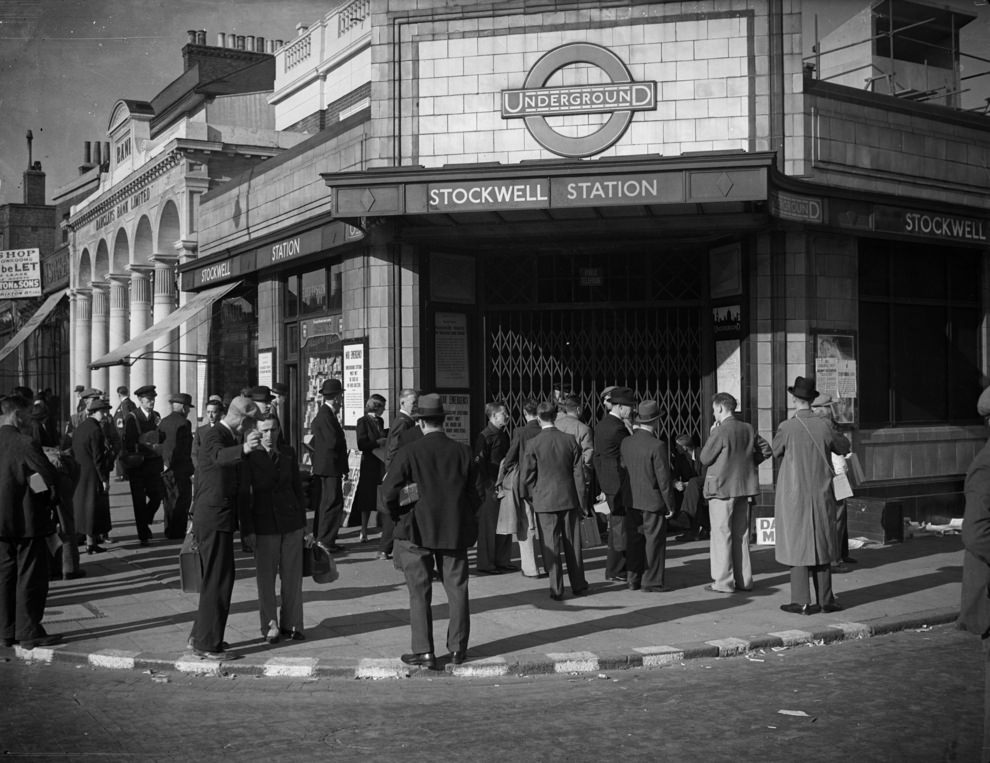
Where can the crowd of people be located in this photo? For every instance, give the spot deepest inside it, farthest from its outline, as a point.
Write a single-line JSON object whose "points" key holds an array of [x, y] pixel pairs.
{"points": [[552, 487]]}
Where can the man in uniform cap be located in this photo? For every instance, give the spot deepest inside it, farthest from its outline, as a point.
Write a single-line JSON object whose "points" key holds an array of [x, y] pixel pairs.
{"points": [[142, 438], [262, 397], [439, 524], [329, 464], [609, 434], [177, 442], [124, 406]]}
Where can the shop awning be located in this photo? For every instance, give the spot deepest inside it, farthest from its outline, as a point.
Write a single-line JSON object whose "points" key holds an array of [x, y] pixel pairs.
{"points": [[138, 347], [33, 322]]}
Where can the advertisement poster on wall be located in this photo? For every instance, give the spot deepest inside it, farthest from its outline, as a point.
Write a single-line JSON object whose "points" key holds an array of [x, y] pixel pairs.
{"points": [[451, 348], [354, 386], [322, 359], [835, 373], [457, 424]]}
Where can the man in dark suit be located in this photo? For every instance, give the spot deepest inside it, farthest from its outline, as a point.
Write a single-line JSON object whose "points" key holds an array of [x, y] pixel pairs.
{"points": [[974, 611], [689, 478], [652, 500], [371, 440], [490, 447], [553, 473], [272, 520], [142, 438], [214, 518], [403, 422], [509, 479], [177, 440], [731, 455], [330, 465], [609, 434], [24, 524], [125, 407], [441, 524]]}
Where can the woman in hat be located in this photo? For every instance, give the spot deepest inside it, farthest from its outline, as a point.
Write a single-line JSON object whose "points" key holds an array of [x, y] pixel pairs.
{"points": [[370, 441], [90, 499]]}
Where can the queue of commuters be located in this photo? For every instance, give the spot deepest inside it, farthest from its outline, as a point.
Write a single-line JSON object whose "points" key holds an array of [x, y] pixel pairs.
{"points": [[436, 498]]}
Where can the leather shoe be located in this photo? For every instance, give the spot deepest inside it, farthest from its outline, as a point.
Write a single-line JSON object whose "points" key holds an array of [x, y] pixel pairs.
{"points": [[618, 578], [489, 571], [425, 659], [557, 596], [654, 588], [383, 555], [209, 654], [635, 586], [800, 609], [833, 607], [336, 548], [293, 635], [457, 657], [73, 575], [712, 589], [94, 549], [49, 640], [579, 591]]}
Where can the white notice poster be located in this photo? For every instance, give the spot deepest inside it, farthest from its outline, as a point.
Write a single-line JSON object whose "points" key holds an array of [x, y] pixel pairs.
{"points": [[457, 425], [20, 273], [354, 397], [451, 347]]}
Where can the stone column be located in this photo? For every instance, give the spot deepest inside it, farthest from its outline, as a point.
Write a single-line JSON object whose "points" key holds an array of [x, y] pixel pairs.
{"points": [[140, 306], [119, 328], [82, 306], [99, 332], [189, 345], [165, 364]]}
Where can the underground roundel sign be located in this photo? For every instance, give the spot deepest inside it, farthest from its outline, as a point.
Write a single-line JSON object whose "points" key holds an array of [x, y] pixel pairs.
{"points": [[534, 102]]}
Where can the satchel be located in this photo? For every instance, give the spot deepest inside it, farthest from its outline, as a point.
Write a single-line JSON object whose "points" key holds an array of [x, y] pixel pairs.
{"points": [[190, 565], [590, 536], [841, 486], [318, 563]]}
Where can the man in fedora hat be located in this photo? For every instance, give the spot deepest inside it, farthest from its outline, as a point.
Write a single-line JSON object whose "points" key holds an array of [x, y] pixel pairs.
{"points": [[804, 503], [731, 454], [329, 464], [177, 443], [402, 430], [439, 524], [652, 500], [142, 439], [609, 434]]}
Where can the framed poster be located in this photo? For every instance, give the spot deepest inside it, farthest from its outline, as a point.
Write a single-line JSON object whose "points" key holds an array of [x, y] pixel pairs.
{"points": [[354, 382], [725, 271], [457, 424], [835, 372], [266, 362], [451, 350]]}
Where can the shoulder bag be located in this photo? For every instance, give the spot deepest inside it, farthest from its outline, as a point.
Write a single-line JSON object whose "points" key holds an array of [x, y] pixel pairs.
{"points": [[840, 482]]}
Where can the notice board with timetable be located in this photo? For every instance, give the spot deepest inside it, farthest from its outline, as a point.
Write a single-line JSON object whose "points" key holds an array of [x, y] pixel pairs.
{"points": [[835, 372]]}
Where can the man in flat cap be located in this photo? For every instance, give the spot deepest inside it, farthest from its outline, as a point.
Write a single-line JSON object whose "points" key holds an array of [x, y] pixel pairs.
{"points": [[439, 524], [177, 443], [142, 457], [609, 434], [329, 464], [974, 611]]}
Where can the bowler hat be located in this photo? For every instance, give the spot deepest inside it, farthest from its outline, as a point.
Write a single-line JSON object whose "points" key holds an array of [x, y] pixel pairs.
{"points": [[148, 390], [983, 404], [91, 392], [649, 410], [261, 394], [428, 406], [181, 397], [331, 387], [280, 389], [97, 404], [623, 396], [804, 389]]}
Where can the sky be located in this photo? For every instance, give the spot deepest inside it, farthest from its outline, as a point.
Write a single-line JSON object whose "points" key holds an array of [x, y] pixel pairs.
{"points": [[64, 63]]}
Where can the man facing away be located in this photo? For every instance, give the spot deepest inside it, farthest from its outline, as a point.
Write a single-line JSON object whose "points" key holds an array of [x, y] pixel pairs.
{"points": [[330, 465], [732, 453], [510, 472], [402, 422], [609, 434], [214, 519], [652, 500], [439, 524], [553, 473], [177, 444], [490, 447]]}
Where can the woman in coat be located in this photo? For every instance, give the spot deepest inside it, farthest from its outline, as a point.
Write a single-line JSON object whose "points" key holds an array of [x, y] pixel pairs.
{"points": [[94, 461], [370, 438], [804, 504]]}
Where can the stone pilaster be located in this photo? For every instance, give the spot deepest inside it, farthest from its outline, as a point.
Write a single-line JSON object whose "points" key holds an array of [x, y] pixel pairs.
{"points": [[120, 329], [81, 306], [140, 308], [166, 359], [99, 332]]}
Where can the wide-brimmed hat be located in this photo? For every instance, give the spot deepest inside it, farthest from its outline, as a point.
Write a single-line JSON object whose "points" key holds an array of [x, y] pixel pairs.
{"points": [[822, 400], [242, 406], [429, 406], [261, 394], [97, 404], [90, 392], [623, 396], [804, 389], [607, 392], [280, 389], [331, 387], [148, 390], [649, 410], [181, 397]]}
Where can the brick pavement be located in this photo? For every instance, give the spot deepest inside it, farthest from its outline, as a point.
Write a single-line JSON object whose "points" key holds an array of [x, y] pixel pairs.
{"points": [[130, 613]]}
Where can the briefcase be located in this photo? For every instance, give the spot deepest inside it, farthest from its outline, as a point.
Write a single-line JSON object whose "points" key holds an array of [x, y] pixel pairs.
{"points": [[590, 536], [190, 565]]}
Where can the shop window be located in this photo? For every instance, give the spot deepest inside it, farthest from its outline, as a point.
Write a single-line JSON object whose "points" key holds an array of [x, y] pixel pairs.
{"points": [[233, 350], [919, 317], [313, 292], [291, 296]]}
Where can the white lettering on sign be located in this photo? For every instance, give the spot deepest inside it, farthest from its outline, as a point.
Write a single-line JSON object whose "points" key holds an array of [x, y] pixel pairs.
{"points": [[578, 100], [487, 194], [941, 225], [215, 272], [766, 533], [612, 189], [285, 249]]}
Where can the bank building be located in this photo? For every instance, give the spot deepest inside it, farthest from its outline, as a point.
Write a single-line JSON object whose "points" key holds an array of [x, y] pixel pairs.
{"points": [[498, 201]]}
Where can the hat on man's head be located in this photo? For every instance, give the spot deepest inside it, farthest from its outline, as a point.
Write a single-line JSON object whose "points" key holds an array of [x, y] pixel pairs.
{"points": [[97, 404], [822, 400], [181, 397], [429, 405], [242, 406], [280, 388], [804, 389], [91, 392], [148, 390], [214, 399], [983, 404], [623, 396], [331, 387], [261, 394], [122, 390], [607, 392], [649, 410], [26, 392], [79, 388]]}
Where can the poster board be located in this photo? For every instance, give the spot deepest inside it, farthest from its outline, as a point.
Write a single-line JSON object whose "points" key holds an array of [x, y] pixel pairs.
{"points": [[266, 367], [355, 382], [836, 372], [450, 337]]}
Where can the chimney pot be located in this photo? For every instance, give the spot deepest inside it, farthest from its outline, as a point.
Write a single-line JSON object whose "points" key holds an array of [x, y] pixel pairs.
{"points": [[97, 147], [201, 37], [240, 42], [301, 28], [106, 152], [279, 43], [87, 152], [191, 34], [259, 44], [221, 40], [231, 40], [249, 42]]}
